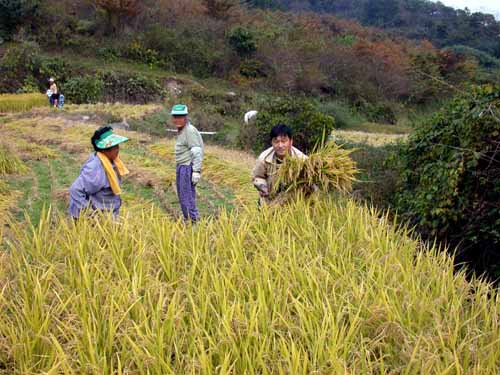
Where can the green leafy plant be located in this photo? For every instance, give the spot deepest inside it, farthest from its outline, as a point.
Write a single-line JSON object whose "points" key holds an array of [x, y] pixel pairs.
{"points": [[450, 177], [242, 41], [309, 125], [84, 89]]}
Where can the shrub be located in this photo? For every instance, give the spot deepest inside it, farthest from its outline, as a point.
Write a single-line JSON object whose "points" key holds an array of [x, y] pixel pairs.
{"points": [[377, 112], [139, 52], [309, 126], [83, 89], [107, 53], [30, 85], [252, 68], [14, 13], [53, 67], [183, 50], [131, 88], [344, 115], [450, 177], [21, 59], [242, 41]]}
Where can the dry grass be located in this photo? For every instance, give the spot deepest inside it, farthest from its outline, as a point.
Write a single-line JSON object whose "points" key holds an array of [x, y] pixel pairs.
{"points": [[8, 199], [9, 161], [228, 169], [116, 110], [371, 139]]}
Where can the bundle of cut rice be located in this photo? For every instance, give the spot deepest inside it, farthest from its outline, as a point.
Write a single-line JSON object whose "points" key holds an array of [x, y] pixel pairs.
{"points": [[328, 169]]}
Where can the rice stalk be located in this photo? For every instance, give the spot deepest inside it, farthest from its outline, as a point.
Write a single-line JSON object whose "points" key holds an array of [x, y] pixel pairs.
{"points": [[9, 162]]}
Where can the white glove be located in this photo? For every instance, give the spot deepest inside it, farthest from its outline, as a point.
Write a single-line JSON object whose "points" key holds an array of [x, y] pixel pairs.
{"points": [[195, 177], [263, 190]]}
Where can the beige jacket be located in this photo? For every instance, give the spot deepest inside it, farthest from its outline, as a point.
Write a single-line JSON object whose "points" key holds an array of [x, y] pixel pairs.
{"points": [[266, 167]]}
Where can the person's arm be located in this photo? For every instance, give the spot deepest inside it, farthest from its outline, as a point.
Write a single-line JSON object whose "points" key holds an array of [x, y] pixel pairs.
{"points": [[195, 144], [259, 177]]}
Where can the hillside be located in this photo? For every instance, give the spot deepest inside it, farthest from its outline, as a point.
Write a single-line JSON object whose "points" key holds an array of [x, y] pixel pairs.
{"points": [[89, 47], [421, 19]]}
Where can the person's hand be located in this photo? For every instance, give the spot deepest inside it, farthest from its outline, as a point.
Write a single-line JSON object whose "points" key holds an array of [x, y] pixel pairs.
{"points": [[263, 190], [195, 177]]}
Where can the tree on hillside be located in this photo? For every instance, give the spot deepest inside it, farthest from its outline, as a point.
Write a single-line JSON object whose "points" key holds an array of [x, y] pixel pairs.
{"points": [[117, 11], [219, 9], [15, 12], [419, 19]]}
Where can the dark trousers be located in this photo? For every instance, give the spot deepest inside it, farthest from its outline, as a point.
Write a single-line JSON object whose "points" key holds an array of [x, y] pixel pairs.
{"points": [[186, 192]]}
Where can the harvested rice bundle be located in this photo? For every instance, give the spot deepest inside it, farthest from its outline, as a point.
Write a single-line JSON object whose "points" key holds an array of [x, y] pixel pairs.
{"points": [[328, 169], [9, 162]]}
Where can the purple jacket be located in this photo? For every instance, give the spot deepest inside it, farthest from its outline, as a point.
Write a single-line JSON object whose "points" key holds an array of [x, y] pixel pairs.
{"points": [[91, 189]]}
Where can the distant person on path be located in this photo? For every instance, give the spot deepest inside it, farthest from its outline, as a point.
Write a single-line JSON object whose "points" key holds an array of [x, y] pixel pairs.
{"points": [[188, 158], [269, 161], [54, 97], [98, 187]]}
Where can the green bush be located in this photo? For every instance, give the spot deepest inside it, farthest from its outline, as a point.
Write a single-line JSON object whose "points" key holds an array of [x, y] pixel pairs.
{"points": [[107, 53], [185, 51], [18, 63], [450, 177], [83, 89], [53, 67], [377, 112], [309, 126], [252, 68], [242, 41], [15, 12], [130, 88], [137, 51], [344, 115], [30, 85]]}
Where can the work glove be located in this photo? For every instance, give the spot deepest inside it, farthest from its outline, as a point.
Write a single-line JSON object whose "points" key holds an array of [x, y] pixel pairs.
{"points": [[263, 189], [195, 177]]}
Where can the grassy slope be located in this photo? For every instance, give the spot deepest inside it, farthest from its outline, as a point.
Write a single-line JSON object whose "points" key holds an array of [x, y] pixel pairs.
{"points": [[55, 143]]}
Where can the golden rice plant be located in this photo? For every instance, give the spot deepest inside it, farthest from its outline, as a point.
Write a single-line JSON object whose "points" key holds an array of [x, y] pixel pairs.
{"points": [[9, 162], [21, 102], [322, 287], [231, 170], [8, 198], [328, 169], [117, 110]]}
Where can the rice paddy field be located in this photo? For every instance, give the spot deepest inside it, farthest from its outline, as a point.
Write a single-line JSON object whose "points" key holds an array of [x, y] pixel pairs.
{"points": [[22, 102], [319, 286]]}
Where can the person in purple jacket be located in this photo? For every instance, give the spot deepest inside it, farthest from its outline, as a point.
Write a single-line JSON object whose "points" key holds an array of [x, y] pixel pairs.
{"points": [[98, 187]]}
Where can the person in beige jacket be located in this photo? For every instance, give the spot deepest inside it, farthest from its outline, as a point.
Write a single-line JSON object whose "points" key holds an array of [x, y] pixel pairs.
{"points": [[269, 161]]}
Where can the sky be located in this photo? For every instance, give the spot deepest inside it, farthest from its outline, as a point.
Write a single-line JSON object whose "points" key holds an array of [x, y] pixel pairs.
{"points": [[485, 6]]}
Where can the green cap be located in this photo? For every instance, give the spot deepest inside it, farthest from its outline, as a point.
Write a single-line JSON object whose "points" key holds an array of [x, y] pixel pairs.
{"points": [[179, 110], [109, 139]]}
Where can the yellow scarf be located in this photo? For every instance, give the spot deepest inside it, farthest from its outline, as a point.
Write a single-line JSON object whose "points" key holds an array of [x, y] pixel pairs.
{"points": [[110, 172]]}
